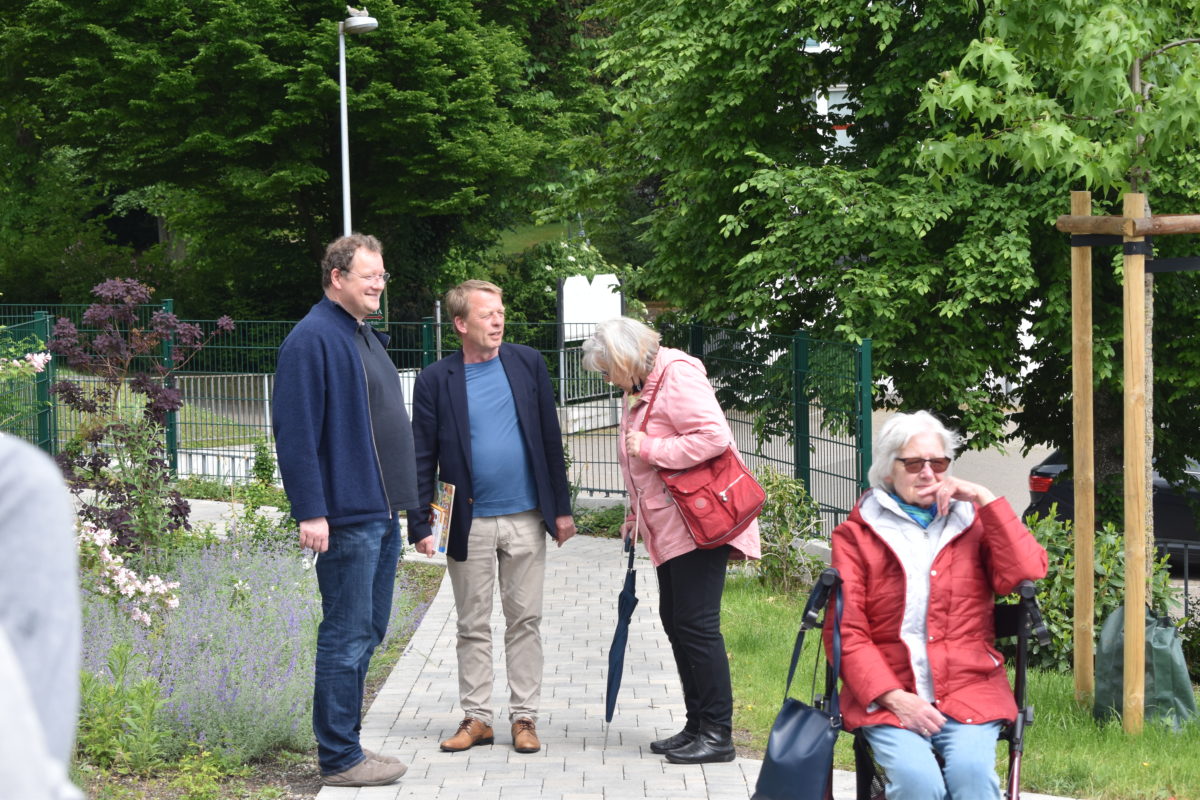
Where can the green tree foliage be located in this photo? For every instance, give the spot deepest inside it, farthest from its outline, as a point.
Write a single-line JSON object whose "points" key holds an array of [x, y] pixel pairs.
{"points": [[922, 234], [1091, 95], [221, 119]]}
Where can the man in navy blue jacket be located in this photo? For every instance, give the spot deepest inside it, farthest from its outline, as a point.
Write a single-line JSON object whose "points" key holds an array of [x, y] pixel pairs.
{"points": [[346, 456], [485, 421]]}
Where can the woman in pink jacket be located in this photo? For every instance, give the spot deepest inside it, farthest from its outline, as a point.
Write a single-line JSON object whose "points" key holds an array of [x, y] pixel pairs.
{"points": [[922, 556], [685, 427]]}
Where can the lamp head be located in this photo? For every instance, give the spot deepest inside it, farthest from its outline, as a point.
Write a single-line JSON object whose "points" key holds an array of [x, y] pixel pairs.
{"points": [[359, 21]]}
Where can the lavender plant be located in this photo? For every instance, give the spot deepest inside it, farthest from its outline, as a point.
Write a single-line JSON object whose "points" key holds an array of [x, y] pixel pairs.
{"points": [[234, 662], [116, 464], [104, 573]]}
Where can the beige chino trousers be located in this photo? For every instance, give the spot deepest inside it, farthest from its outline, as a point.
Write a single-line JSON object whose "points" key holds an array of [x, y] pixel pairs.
{"points": [[512, 546]]}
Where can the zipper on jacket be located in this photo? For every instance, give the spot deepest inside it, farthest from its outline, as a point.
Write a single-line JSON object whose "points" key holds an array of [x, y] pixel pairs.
{"points": [[374, 445]]}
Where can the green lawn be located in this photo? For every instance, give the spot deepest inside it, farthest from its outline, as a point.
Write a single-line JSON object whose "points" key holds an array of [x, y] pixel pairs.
{"points": [[521, 239], [1067, 753]]}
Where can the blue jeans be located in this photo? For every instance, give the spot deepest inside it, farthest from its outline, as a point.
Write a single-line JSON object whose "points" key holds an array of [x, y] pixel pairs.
{"points": [[356, 576], [912, 770]]}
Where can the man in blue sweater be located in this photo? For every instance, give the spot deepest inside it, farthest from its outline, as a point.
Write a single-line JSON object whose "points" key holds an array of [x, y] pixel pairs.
{"points": [[346, 456], [485, 420]]}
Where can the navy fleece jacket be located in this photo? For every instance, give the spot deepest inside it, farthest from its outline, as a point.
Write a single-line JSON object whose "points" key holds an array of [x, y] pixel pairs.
{"points": [[322, 422]]}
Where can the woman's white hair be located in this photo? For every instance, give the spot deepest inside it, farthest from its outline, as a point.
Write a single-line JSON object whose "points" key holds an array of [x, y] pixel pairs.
{"points": [[896, 433], [622, 346]]}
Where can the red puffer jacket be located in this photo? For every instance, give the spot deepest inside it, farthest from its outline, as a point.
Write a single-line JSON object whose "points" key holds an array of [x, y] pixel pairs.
{"points": [[991, 556]]}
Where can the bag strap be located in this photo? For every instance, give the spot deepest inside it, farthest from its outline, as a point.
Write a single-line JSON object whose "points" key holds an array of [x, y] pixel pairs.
{"points": [[650, 406], [828, 586], [662, 376]]}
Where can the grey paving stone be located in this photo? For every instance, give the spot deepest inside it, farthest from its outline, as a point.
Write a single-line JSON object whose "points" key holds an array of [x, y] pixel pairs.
{"points": [[418, 705]]}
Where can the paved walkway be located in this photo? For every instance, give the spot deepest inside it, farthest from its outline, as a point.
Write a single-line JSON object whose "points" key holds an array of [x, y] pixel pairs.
{"points": [[418, 705]]}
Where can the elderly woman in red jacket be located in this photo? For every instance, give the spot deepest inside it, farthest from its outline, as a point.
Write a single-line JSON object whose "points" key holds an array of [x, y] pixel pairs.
{"points": [[672, 420], [922, 556]]}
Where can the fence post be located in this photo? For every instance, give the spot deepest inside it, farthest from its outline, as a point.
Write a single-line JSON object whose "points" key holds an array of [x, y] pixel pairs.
{"points": [[801, 449], [696, 340], [428, 346], [266, 393], [47, 435], [864, 413], [172, 426]]}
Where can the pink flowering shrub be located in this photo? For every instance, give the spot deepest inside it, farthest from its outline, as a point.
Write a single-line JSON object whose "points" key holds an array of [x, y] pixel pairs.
{"points": [[19, 360], [30, 364], [104, 573], [37, 360]]}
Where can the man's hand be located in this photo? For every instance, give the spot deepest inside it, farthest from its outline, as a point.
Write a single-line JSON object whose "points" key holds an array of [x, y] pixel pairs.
{"points": [[425, 546], [314, 534], [564, 527]]}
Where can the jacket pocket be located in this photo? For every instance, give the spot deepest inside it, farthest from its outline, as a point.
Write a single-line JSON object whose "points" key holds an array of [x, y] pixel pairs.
{"points": [[656, 500]]}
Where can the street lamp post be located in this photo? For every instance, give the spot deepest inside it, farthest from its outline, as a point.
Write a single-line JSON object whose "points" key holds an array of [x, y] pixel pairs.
{"points": [[357, 22]]}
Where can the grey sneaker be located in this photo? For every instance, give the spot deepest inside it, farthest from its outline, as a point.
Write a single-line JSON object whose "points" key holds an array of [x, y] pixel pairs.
{"points": [[381, 757], [367, 772]]}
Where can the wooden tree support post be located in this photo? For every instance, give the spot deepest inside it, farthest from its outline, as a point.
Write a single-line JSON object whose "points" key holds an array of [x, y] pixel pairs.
{"points": [[1083, 459], [1134, 224], [1135, 485]]}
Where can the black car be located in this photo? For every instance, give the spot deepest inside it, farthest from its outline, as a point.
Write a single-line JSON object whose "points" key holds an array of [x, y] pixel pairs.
{"points": [[1175, 508]]}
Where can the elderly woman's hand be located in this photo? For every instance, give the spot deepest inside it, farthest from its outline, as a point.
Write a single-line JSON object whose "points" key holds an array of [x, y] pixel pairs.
{"points": [[633, 443], [951, 488], [915, 713]]}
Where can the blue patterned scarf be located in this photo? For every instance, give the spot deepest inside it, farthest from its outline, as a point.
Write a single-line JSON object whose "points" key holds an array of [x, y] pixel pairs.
{"points": [[921, 516]]}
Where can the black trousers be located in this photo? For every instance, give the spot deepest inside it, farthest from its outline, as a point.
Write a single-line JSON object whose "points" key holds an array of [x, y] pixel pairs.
{"points": [[690, 588]]}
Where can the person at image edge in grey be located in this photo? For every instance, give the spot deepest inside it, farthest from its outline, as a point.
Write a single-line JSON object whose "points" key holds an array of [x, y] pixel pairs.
{"points": [[39, 626], [485, 421], [345, 450]]}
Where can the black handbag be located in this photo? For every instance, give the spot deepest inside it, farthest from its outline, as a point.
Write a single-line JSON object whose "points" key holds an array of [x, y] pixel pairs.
{"points": [[799, 760]]}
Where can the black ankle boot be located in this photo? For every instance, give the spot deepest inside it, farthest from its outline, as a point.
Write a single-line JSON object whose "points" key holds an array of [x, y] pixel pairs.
{"points": [[713, 744], [675, 742]]}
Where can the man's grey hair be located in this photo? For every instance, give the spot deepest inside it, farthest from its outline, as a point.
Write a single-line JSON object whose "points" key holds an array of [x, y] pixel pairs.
{"points": [[622, 345], [896, 433], [340, 253]]}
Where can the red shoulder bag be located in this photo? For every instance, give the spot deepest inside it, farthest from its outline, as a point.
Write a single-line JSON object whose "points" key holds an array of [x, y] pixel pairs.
{"points": [[718, 498]]}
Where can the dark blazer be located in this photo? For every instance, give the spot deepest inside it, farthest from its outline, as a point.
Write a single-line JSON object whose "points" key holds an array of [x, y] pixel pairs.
{"points": [[442, 431]]}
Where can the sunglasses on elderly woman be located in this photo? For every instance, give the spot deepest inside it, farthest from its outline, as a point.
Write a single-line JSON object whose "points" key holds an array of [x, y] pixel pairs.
{"points": [[915, 465]]}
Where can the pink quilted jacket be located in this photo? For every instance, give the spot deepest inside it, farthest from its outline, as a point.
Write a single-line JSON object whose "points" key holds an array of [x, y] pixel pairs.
{"points": [[686, 428]]}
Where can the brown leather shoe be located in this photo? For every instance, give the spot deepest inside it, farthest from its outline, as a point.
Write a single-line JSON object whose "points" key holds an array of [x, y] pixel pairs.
{"points": [[525, 738], [470, 733], [367, 772]]}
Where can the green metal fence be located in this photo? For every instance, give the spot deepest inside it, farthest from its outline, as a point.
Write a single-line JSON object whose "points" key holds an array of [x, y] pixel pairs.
{"points": [[26, 409], [798, 404]]}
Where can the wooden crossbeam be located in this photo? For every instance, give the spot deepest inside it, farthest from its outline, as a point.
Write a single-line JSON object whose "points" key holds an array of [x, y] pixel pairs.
{"points": [[1161, 225]]}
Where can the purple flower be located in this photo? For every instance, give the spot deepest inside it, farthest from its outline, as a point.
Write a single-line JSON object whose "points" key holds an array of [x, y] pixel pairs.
{"points": [[122, 292], [235, 668]]}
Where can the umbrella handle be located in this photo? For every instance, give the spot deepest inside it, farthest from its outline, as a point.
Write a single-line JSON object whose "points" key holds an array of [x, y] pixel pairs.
{"points": [[630, 545]]}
